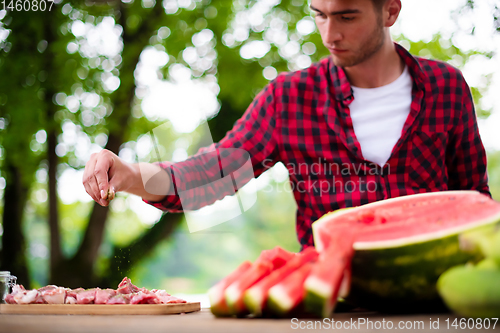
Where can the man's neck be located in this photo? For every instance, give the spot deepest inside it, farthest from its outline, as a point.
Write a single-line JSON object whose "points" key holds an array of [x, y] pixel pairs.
{"points": [[382, 68]]}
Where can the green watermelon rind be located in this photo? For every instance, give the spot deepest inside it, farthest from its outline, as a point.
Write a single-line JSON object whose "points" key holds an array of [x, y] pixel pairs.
{"points": [[429, 259], [277, 301], [387, 288], [429, 255], [252, 301], [232, 295], [471, 292], [218, 307], [317, 295], [314, 303]]}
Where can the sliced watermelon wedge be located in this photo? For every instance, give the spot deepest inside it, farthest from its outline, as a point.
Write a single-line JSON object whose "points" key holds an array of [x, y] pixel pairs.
{"points": [[256, 296], [330, 274], [268, 261], [285, 296], [218, 304], [277, 257]]}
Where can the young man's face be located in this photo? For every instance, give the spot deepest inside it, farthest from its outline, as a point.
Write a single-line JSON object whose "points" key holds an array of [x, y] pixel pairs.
{"points": [[352, 30]]}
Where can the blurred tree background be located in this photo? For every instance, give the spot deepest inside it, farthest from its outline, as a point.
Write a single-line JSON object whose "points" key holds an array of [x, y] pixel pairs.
{"points": [[98, 74]]}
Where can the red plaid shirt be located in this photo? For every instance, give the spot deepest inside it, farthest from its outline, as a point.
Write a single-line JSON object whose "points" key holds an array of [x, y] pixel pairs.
{"points": [[302, 119]]}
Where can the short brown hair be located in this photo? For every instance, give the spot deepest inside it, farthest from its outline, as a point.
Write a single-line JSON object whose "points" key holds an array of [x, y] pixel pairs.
{"points": [[378, 4]]}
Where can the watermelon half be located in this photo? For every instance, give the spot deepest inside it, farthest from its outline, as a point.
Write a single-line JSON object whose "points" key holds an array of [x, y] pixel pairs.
{"points": [[402, 246]]}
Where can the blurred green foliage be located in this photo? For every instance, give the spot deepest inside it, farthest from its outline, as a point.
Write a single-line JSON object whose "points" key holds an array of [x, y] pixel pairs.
{"points": [[44, 79]]}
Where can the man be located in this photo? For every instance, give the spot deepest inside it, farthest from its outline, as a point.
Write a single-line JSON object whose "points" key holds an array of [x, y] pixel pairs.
{"points": [[368, 123]]}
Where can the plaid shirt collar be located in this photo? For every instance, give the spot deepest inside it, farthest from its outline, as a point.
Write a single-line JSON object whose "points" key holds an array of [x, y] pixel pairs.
{"points": [[342, 88], [339, 118]]}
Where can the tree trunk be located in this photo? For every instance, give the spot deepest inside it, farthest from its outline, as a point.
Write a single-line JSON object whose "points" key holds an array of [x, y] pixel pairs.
{"points": [[79, 270], [124, 258], [52, 129], [55, 237], [13, 243]]}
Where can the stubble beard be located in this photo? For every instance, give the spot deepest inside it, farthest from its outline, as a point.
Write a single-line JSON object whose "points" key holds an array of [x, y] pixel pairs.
{"points": [[371, 45]]}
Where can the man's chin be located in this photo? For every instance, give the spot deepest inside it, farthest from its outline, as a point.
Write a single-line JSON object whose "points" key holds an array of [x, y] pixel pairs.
{"points": [[340, 62]]}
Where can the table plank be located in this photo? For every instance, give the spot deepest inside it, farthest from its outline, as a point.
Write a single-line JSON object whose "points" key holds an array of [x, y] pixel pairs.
{"points": [[204, 321]]}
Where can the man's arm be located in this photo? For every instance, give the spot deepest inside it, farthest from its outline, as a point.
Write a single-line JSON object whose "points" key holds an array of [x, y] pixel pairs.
{"points": [[213, 172], [467, 158], [224, 167]]}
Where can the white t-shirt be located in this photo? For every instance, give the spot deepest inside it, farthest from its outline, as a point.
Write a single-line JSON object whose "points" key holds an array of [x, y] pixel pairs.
{"points": [[378, 116]]}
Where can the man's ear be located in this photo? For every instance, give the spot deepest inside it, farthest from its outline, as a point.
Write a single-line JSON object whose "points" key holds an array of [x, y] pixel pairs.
{"points": [[391, 11]]}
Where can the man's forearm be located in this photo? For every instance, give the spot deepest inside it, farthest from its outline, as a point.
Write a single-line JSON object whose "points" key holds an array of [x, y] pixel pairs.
{"points": [[150, 182]]}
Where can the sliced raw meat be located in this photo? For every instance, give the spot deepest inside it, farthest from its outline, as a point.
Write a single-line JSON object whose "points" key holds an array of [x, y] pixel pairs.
{"points": [[103, 295], [119, 299], [26, 296], [49, 287], [142, 298], [73, 292], [70, 300], [55, 295], [86, 296], [160, 292], [18, 288], [170, 300], [9, 299], [126, 287]]}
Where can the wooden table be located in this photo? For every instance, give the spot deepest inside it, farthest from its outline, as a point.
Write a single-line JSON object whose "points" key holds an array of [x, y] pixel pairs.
{"points": [[204, 321]]}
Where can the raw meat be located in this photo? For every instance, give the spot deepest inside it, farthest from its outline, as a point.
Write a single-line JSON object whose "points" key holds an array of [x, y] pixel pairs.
{"points": [[127, 293], [142, 298], [55, 295], [86, 296], [102, 296], [126, 287]]}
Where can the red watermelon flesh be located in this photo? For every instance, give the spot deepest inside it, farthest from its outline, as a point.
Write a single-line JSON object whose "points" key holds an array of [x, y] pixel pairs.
{"points": [[286, 295], [265, 264], [277, 257], [218, 304], [412, 238], [403, 218], [330, 272], [256, 296], [345, 286]]}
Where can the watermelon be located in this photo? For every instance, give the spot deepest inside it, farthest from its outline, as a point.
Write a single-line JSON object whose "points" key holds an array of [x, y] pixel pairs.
{"points": [[256, 296], [218, 304], [401, 247], [327, 276], [268, 261], [285, 297], [471, 291]]}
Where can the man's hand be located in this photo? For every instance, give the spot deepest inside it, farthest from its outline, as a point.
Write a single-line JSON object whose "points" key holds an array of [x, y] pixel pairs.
{"points": [[105, 174]]}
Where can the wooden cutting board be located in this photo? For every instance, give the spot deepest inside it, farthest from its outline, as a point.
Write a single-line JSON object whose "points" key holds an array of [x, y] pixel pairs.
{"points": [[100, 309]]}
